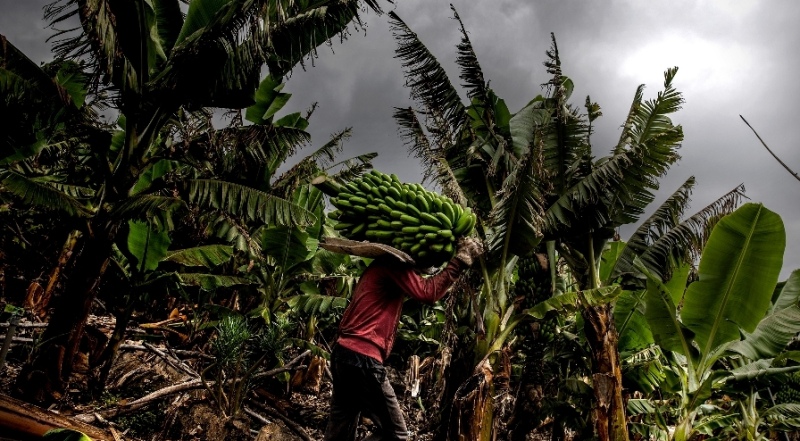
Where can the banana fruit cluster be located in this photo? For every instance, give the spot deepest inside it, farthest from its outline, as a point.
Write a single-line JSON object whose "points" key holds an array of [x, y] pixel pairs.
{"points": [[377, 207], [528, 268]]}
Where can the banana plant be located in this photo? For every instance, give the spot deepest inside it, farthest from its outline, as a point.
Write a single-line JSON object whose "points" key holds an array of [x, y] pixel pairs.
{"points": [[154, 64], [728, 316], [145, 266]]}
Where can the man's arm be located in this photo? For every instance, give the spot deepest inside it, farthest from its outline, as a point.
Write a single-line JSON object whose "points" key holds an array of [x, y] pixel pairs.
{"points": [[431, 289], [426, 290]]}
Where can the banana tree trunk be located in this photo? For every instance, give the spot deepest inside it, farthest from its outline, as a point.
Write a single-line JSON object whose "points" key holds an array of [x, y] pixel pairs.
{"points": [[106, 360], [45, 379], [472, 412], [609, 412], [41, 303]]}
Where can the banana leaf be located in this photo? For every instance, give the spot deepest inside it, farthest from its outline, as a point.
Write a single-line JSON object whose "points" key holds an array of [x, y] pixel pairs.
{"points": [[146, 246], [737, 274], [570, 301], [208, 256]]}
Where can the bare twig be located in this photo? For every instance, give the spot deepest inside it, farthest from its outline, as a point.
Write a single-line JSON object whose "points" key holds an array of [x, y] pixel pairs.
{"points": [[792, 172], [184, 365], [19, 339], [258, 417], [292, 365], [25, 325], [275, 414], [176, 363], [180, 352]]}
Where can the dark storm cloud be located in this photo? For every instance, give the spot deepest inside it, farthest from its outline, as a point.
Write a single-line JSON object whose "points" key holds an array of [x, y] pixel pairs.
{"points": [[21, 22], [734, 58]]}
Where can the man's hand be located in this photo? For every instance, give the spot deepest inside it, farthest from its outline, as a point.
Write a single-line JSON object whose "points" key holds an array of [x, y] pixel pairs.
{"points": [[468, 250]]}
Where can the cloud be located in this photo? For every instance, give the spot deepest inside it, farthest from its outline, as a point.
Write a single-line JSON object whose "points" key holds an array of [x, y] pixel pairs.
{"points": [[734, 58]]}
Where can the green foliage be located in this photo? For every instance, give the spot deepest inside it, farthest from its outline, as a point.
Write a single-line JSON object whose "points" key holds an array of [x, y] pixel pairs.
{"points": [[738, 273], [147, 247], [269, 100], [208, 256], [240, 349], [65, 435], [707, 358], [316, 303]]}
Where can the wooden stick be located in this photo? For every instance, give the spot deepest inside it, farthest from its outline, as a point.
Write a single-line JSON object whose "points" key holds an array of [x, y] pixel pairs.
{"points": [[259, 418], [289, 423], [25, 325], [24, 418], [181, 352], [175, 363], [792, 172]]}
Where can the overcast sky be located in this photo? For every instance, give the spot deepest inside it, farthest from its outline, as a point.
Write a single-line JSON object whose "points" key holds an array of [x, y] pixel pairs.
{"points": [[735, 57]]}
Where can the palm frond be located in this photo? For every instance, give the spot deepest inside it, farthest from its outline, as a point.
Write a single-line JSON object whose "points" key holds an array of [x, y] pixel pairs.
{"points": [[567, 152], [208, 256], [653, 150], [14, 60], [211, 282], [223, 56], [75, 191], [248, 203], [566, 149], [417, 141], [471, 72], [427, 79], [155, 209], [354, 167], [626, 137], [572, 202], [233, 232], [298, 36], [251, 147], [570, 302], [315, 303], [326, 155], [689, 235], [435, 166], [311, 165], [217, 57], [651, 123], [517, 218], [114, 39], [169, 20], [665, 218], [41, 194], [645, 368]]}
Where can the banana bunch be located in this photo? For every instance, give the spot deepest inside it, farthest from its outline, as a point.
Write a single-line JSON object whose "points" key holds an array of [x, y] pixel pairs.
{"points": [[379, 208], [528, 268], [790, 392]]}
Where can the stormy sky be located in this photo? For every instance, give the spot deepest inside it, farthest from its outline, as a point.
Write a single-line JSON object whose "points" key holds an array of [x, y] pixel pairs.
{"points": [[734, 57]]}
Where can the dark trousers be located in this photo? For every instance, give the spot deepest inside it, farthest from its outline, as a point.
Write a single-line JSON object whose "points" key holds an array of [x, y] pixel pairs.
{"points": [[360, 387]]}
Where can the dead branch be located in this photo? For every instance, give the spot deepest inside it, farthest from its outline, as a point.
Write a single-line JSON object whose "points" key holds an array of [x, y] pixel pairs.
{"points": [[792, 172], [259, 418], [18, 339], [174, 362], [25, 325], [181, 352], [275, 414], [292, 365], [183, 387], [20, 417]]}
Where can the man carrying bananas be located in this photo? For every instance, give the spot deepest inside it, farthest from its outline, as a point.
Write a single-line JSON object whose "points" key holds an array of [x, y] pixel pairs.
{"points": [[366, 335]]}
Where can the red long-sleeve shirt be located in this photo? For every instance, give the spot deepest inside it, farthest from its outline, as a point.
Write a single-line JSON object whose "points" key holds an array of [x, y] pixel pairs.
{"points": [[369, 323]]}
